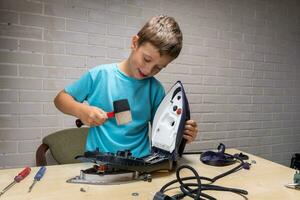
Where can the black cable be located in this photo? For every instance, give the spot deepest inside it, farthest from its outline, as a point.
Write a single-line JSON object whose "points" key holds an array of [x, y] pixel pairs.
{"points": [[188, 189]]}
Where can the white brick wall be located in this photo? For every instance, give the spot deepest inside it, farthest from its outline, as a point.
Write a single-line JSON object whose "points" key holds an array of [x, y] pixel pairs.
{"points": [[239, 64]]}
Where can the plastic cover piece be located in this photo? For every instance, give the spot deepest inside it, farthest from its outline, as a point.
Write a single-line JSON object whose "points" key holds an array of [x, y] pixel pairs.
{"points": [[169, 120]]}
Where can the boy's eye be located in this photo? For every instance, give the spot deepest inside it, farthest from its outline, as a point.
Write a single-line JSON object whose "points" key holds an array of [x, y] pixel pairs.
{"points": [[158, 68], [147, 60]]}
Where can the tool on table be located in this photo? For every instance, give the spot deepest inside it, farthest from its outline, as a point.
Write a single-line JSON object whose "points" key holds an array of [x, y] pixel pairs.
{"points": [[296, 184], [17, 179], [121, 113], [37, 177]]}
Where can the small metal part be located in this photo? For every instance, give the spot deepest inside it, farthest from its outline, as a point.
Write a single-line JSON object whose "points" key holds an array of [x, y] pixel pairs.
{"points": [[253, 162], [30, 188], [152, 157], [135, 194], [293, 186], [115, 178]]}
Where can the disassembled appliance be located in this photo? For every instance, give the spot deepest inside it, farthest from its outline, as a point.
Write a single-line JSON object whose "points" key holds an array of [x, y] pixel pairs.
{"points": [[167, 146]]}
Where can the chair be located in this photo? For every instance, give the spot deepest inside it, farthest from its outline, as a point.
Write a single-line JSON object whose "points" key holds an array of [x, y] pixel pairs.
{"points": [[64, 145]]}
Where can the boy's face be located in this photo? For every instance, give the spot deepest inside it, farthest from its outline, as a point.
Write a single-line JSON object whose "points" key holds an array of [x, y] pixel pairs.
{"points": [[145, 60]]}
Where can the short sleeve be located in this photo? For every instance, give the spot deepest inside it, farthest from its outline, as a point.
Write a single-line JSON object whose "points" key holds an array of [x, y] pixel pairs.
{"points": [[81, 88]]}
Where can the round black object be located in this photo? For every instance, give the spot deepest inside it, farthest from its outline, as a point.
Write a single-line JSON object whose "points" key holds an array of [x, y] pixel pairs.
{"points": [[217, 158]]}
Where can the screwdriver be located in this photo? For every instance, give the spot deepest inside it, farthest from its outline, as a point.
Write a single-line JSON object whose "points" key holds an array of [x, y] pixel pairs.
{"points": [[38, 177], [17, 179]]}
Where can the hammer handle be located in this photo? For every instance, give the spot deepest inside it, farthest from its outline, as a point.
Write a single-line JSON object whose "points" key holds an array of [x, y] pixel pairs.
{"points": [[79, 123]]}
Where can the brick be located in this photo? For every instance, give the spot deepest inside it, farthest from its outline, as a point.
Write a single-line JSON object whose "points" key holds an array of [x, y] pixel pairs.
{"points": [[203, 108], [65, 36], [199, 89], [252, 56], [8, 17], [190, 60], [91, 4], [216, 62], [9, 96], [41, 72], [28, 146], [37, 96], [237, 45], [215, 81], [217, 24], [133, 21], [225, 108], [74, 74], [219, 99], [8, 70], [22, 5], [124, 8], [260, 66], [94, 61], [100, 16], [39, 121], [65, 61], [116, 30], [216, 43], [175, 69], [81, 50], [229, 72], [23, 58], [42, 47], [228, 90], [117, 53], [8, 44], [15, 134], [194, 98], [20, 83], [55, 84], [95, 39], [42, 21], [20, 31], [50, 109], [19, 160], [8, 121], [231, 36], [17, 108], [8, 147], [86, 27], [241, 65], [64, 10], [262, 83], [115, 41]]}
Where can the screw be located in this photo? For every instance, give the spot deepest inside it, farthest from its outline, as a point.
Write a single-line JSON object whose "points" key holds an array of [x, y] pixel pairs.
{"points": [[135, 194]]}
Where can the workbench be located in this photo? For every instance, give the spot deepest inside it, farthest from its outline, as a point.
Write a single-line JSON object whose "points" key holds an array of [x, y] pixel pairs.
{"points": [[264, 180]]}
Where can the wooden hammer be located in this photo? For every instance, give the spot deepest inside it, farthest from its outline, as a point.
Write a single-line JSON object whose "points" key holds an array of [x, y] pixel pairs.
{"points": [[121, 113]]}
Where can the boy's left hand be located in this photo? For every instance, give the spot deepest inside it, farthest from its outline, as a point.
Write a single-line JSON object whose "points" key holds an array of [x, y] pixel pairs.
{"points": [[190, 130]]}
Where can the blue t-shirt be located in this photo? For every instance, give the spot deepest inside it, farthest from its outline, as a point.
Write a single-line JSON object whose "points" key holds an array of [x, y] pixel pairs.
{"points": [[103, 85]]}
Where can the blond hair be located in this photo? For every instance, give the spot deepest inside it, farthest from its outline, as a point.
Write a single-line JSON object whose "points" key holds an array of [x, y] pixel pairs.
{"points": [[164, 33]]}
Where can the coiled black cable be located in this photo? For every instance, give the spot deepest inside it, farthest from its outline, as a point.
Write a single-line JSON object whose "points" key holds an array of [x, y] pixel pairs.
{"points": [[195, 190]]}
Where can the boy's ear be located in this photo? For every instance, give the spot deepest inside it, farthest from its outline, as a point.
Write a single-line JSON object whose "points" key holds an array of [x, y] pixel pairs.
{"points": [[134, 42]]}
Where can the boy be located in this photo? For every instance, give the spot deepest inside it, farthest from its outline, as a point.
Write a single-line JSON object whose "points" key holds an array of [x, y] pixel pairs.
{"points": [[152, 49]]}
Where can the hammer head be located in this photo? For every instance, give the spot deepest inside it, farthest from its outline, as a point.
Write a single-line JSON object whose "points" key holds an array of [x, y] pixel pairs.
{"points": [[122, 111]]}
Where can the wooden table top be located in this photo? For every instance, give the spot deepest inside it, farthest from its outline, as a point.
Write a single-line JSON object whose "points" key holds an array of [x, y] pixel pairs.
{"points": [[265, 180]]}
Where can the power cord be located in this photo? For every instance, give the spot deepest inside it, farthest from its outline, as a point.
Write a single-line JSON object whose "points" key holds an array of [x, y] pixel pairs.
{"points": [[195, 190]]}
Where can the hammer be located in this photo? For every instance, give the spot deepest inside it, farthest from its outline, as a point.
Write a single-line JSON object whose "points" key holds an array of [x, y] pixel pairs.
{"points": [[121, 113]]}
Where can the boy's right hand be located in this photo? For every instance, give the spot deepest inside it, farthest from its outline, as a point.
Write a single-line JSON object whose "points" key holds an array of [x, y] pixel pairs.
{"points": [[93, 116]]}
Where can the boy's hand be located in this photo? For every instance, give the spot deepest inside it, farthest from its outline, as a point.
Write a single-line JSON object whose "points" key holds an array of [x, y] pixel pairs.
{"points": [[190, 130], [93, 116]]}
